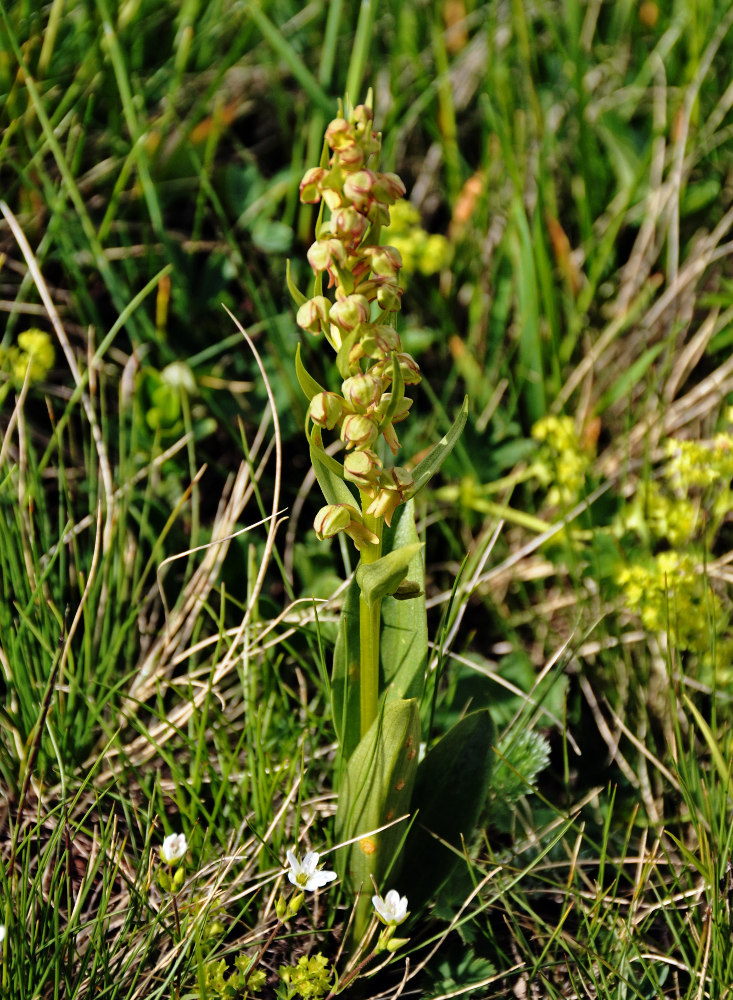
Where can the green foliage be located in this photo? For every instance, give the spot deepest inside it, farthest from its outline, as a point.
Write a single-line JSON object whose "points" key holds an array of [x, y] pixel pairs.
{"points": [[311, 978], [450, 792], [565, 237], [377, 790], [238, 983]]}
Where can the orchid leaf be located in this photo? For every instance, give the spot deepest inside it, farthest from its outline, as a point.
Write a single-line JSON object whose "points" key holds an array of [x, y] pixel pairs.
{"points": [[329, 474], [377, 789], [345, 691], [450, 792], [296, 293], [306, 381], [425, 470], [404, 638], [382, 578]]}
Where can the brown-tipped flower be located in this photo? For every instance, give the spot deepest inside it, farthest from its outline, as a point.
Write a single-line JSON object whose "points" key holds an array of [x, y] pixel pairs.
{"points": [[340, 134], [351, 158], [350, 311], [388, 188], [390, 436], [379, 341], [358, 188], [359, 431], [363, 117], [402, 479], [386, 261], [310, 186], [326, 409], [362, 391], [327, 255], [389, 297], [313, 314], [349, 226], [384, 504], [334, 518], [363, 467], [343, 517], [403, 408], [409, 368]]}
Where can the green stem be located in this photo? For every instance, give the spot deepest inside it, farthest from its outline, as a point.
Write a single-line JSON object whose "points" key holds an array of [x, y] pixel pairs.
{"points": [[370, 617]]}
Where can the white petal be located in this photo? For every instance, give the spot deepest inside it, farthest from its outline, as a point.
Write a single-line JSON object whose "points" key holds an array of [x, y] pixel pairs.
{"points": [[319, 879], [310, 862]]}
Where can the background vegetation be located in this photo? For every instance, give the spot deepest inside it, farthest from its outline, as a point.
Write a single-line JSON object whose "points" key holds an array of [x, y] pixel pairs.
{"points": [[163, 665]]}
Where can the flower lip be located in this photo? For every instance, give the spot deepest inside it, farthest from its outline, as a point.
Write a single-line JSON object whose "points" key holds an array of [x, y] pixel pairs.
{"points": [[306, 874], [392, 909], [173, 848]]}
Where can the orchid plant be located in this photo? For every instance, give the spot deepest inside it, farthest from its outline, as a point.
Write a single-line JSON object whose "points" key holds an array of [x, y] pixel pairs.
{"points": [[391, 806]]}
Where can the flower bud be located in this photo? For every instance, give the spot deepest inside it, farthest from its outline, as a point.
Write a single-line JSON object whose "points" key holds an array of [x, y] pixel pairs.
{"points": [[350, 311], [409, 368], [363, 116], [402, 479], [281, 907], [326, 255], [359, 431], [379, 341], [386, 261], [389, 298], [403, 408], [294, 905], [349, 226], [334, 518], [310, 186], [339, 134], [313, 314], [358, 188], [390, 436], [362, 391], [387, 188], [363, 468], [351, 158], [326, 409]]}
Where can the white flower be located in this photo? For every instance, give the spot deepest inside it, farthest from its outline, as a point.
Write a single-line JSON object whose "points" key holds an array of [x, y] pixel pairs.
{"points": [[174, 848], [392, 909], [2, 933], [305, 874]]}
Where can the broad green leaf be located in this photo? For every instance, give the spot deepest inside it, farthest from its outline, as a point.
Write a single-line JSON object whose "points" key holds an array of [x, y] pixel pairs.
{"points": [[425, 470], [404, 639], [306, 381], [450, 791], [377, 789], [345, 676], [382, 578], [296, 293]]}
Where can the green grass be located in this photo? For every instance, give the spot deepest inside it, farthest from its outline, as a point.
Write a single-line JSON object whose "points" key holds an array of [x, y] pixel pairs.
{"points": [[163, 665]]}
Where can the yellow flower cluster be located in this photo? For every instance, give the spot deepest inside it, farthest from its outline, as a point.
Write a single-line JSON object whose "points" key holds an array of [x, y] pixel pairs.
{"points": [[668, 593], [562, 463], [700, 463], [32, 357], [421, 251], [668, 590]]}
